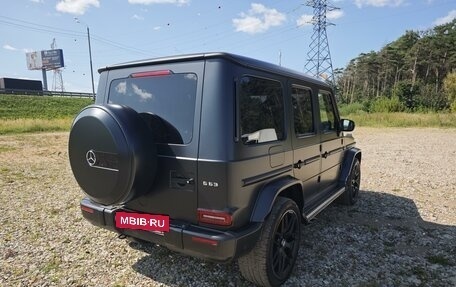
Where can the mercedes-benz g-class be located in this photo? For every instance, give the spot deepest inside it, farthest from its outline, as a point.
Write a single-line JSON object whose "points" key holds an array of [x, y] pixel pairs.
{"points": [[214, 155]]}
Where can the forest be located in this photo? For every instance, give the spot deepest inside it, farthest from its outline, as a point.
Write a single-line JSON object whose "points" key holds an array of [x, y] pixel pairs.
{"points": [[415, 73]]}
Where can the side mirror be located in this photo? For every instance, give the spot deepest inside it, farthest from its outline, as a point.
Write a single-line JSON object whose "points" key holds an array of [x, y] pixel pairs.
{"points": [[347, 125]]}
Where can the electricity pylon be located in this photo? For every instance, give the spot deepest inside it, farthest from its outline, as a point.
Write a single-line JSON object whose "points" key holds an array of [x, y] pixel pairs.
{"points": [[319, 57], [57, 83]]}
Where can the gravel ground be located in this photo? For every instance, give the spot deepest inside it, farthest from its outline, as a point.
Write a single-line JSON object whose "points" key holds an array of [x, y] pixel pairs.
{"points": [[401, 232]]}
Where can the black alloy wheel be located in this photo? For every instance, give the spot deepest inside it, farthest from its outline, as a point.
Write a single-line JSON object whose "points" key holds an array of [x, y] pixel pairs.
{"points": [[351, 193], [271, 261], [286, 243], [355, 180]]}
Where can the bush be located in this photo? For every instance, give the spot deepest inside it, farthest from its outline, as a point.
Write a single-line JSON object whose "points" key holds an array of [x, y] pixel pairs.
{"points": [[428, 99], [453, 107], [355, 108], [386, 105], [449, 87]]}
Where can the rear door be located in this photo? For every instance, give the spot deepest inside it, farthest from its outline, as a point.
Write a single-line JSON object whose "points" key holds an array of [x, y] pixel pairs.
{"points": [[168, 97], [306, 141]]}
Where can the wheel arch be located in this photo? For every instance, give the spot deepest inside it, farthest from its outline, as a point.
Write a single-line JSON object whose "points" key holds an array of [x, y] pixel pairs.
{"points": [[347, 164], [287, 186]]}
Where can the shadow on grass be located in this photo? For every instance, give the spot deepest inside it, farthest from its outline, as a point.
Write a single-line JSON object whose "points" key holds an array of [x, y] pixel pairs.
{"points": [[382, 240]]}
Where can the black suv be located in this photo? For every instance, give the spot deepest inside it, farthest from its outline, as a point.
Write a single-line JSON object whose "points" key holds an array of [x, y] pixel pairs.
{"points": [[213, 155]]}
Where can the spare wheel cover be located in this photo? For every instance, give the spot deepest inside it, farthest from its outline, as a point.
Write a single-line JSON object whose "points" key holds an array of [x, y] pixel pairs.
{"points": [[112, 153]]}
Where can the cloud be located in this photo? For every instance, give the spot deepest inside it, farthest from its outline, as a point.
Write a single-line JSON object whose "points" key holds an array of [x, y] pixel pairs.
{"points": [[77, 7], [121, 88], [378, 3], [149, 2], [445, 19], [156, 28], [191, 76], [304, 20], [9, 47], [37, 1], [137, 17], [144, 96], [258, 19], [334, 14]]}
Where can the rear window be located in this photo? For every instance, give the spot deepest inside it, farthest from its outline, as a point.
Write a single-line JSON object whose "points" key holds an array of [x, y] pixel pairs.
{"points": [[166, 102]]}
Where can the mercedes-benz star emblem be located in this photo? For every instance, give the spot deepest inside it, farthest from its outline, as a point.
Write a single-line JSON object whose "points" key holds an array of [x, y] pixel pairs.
{"points": [[91, 157]]}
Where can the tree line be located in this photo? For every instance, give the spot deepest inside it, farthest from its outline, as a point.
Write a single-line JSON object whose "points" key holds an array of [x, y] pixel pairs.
{"points": [[416, 72]]}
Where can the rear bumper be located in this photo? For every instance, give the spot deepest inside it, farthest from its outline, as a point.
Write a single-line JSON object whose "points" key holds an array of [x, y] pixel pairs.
{"points": [[193, 240]]}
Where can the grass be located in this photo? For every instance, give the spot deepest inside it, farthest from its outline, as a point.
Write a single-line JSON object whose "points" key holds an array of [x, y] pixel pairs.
{"points": [[40, 107], [5, 149], [34, 125], [53, 264], [421, 273], [382, 120], [30, 114], [439, 259]]}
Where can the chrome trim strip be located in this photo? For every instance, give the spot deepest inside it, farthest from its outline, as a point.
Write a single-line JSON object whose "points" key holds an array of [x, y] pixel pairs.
{"points": [[105, 168], [178, 157], [335, 150], [193, 159], [312, 159]]}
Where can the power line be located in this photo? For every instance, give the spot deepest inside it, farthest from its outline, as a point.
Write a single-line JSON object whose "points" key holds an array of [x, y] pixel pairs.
{"points": [[26, 25], [184, 40]]}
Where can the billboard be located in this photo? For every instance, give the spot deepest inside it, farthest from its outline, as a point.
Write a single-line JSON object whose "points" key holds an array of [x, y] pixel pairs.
{"points": [[34, 61], [45, 60]]}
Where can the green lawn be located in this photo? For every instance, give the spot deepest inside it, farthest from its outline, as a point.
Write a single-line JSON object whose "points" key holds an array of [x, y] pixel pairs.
{"points": [[21, 114]]}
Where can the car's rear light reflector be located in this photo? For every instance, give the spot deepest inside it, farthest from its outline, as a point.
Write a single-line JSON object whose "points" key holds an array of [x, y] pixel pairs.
{"points": [[152, 74], [86, 209], [205, 241], [216, 217]]}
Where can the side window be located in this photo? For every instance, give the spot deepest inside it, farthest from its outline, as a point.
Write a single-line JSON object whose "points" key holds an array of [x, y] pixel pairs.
{"points": [[327, 115], [302, 111], [261, 110]]}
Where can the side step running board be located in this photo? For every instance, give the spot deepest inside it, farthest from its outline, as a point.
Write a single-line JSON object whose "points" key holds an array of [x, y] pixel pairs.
{"points": [[308, 217]]}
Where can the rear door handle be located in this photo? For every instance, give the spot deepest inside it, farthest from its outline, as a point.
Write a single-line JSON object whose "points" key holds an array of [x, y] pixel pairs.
{"points": [[298, 164]]}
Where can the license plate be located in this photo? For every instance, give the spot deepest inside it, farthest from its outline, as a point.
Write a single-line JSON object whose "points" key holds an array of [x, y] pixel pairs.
{"points": [[142, 221]]}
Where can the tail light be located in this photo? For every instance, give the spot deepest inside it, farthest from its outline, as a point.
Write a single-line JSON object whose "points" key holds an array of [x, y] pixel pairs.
{"points": [[151, 74], [216, 217], [86, 209], [205, 241]]}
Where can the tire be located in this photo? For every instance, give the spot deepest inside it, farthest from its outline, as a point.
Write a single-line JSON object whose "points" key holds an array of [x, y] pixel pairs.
{"points": [[351, 193], [272, 260], [112, 154]]}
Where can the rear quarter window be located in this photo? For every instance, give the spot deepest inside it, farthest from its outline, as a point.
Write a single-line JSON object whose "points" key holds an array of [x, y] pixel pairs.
{"points": [[166, 102], [261, 110]]}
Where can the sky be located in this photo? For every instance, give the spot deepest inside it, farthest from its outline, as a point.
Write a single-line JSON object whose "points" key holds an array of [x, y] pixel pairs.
{"points": [[128, 30]]}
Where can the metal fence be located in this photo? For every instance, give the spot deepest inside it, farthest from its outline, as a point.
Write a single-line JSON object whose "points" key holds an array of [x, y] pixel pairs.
{"points": [[45, 93]]}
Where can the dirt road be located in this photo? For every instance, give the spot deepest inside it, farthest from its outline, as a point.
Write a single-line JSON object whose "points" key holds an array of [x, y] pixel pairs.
{"points": [[401, 232]]}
